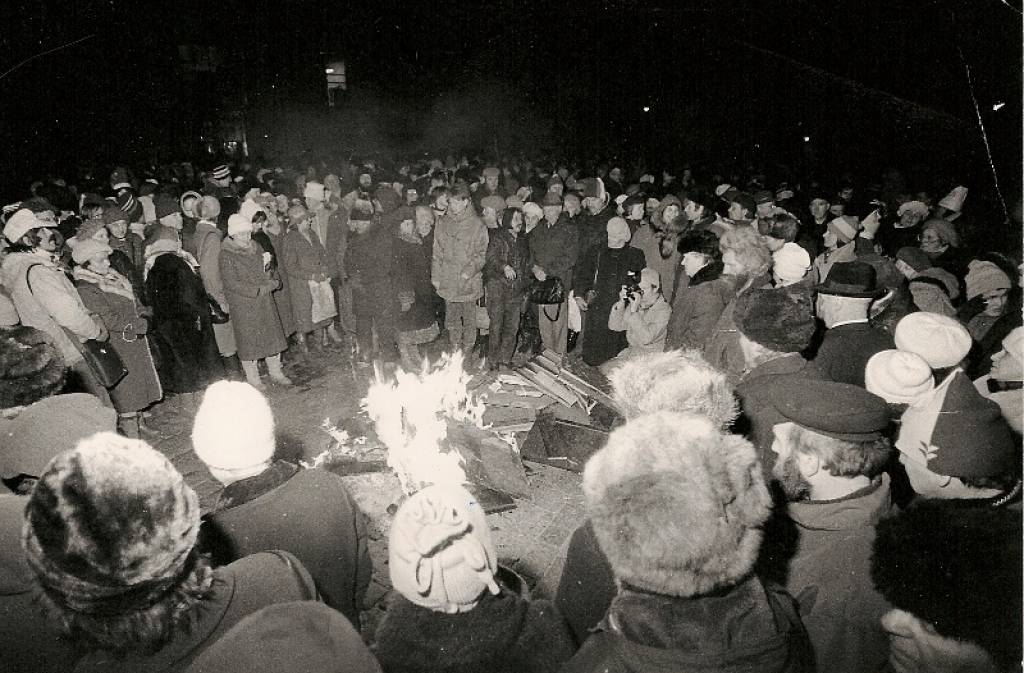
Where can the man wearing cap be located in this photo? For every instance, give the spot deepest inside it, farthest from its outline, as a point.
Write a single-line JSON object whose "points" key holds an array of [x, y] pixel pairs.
{"points": [[554, 249], [592, 223], [460, 251], [844, 299], [839, 240], [218, 183], [490, 187], [643, 316], [831, 450]]}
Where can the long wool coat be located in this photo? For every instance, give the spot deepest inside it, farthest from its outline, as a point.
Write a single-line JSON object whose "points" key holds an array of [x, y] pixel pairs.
{"points": [[282, 295], [141, 386], [248, 287], [303, 259], [609, 268]]}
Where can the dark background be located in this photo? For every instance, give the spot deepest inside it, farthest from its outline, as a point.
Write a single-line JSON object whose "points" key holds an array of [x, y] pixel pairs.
{"points": [[872, 84]]}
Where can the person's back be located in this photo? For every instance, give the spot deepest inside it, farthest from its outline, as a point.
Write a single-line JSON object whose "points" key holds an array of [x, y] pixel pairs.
{"points": [[309, 513]]}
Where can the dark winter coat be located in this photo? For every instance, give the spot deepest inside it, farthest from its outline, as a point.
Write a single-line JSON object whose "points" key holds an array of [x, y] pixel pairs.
{"points": [[822, 551], [555, 249], [249, 289], [128, 260], [722, 349], [605, 270], [591, 229], [748, 628], [140, 387], [846, 349], [282, 295], [698, 306], [503, 250], [181, 323], [303, 259], [587, 585], [368, 262], [411, 268], [28, 643], [502, 634], [239, 589], [306, 512]]}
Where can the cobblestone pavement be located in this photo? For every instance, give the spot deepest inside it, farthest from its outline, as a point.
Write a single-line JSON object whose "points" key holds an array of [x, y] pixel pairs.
{"points": [[530, 539]]}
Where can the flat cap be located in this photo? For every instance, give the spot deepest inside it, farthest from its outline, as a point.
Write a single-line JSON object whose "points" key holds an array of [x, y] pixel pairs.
{"points": [[839, 410]]}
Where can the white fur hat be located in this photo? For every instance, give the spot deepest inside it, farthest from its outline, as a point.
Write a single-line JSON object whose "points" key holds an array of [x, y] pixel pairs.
{"points": [[673, 381], [676, 505], [238, 224], [234, 427]]}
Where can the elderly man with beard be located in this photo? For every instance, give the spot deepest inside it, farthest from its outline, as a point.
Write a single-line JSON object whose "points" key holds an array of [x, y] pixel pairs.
{"points": [[831, 448]]}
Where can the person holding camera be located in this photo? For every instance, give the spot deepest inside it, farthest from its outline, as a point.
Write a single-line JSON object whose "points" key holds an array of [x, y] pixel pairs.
{"points": [[643, 314]]}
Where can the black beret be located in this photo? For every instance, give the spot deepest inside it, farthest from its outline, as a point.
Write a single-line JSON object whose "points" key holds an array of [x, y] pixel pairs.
{"points": [[839, 410]]}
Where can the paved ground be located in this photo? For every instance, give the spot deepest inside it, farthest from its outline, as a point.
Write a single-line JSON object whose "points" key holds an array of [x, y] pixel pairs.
{"points": [[530, 539]]}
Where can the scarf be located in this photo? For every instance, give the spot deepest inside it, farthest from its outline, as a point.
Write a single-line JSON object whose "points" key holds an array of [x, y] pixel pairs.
{"points": [[111, 281]]}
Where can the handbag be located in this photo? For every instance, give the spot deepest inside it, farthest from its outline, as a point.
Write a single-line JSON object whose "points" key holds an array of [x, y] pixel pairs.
{"points": [[323, 301], [218, 316], [101, 357], [547, 292]]}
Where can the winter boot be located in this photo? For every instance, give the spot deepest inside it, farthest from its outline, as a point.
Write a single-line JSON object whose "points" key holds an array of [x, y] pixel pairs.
{"points": [[276, 374], [252, 374], [130, 424], [232, 368], [332, 332]]}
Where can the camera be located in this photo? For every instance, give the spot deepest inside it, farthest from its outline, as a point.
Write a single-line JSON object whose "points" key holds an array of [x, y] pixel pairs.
{"points": [[632, 286]]}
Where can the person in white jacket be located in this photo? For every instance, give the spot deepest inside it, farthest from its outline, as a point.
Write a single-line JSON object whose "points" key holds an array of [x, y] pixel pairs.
{"points": [[643, 314]]}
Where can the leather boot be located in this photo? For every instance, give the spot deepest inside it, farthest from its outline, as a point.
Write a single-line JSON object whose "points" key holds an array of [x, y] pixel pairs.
{"points": [[232, 368]]}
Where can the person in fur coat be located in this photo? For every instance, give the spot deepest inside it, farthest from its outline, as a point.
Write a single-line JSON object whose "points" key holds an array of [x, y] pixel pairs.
{"points": [[677, 509], [698, 304], [448, 612]]}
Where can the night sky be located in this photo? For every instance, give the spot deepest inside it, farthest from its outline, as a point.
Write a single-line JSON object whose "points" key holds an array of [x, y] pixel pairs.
{"points": [[871, 83]]}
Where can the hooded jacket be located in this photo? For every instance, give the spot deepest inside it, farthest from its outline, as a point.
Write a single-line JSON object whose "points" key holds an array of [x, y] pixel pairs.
{"points": [[460, 250], [697, 307]]}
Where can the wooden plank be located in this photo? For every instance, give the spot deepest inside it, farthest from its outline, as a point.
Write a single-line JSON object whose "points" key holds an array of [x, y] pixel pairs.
{"points": [[548, 384], [588, 389], [512, 427], [518, 401], [506, 415], [552, 356]]}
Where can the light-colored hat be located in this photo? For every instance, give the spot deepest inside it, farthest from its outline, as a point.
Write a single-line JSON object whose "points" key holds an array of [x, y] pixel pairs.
{"points": [[940, 340], [844, 228], [234, 427], [985, 277], [249, 208], [238, 224], [791, 262], [532, 208], [314, 190], [441, 556], [619, 228], [898, 376], [84, 250], [22, 222], [954, 201], [918, 207]]}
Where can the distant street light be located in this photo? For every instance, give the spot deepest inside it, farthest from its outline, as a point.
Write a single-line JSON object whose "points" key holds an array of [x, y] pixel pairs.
{"points": [[807, 139], [647, 108], [998, 106]]}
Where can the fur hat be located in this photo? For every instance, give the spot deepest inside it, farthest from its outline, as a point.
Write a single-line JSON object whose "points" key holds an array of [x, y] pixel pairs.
{"points": [[593, 188], [898, 377], [700, 241], [48, 427], [673, 381], [31, 366], [494, 202], [917, 207], [956, 568], [676, 505], [532, 208], [165, 204], [945, 230], [237, 224], [286, 637], [791, 262], [440, 551], [234, 427], [86, 230], [778, 319], [110, 526], [84, 250], [940, 340], [985, 277]]}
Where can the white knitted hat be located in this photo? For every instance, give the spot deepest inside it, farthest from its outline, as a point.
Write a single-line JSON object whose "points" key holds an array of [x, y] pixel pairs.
{"points": [[898, 376], [234, 427], [940, 340]]}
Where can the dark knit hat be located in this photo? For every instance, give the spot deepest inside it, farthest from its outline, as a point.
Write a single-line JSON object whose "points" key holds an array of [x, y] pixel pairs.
{"points": [[31, 366], [778, 319], [957, 567], [745, 200], [113, 213], [702, 241], [110, 526], [676, 505], [130, 205], [220, 172], [915, 257], [301, 636], [839, 410], [165, 205]]}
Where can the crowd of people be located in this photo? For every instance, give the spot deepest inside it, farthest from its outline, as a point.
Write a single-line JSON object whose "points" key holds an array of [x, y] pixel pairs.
{"points": [[817, 464]]}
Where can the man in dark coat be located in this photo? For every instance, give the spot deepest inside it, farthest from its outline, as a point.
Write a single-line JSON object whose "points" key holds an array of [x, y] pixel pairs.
{"points": [[374, 299], [831, 449], [844, 299], [554, 248], [273, 504]]}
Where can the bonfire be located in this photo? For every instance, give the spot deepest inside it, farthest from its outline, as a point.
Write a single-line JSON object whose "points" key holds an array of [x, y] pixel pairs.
{"points": [[412, 415]]}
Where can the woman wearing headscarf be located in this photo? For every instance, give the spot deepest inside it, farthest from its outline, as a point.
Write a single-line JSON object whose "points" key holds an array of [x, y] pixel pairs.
{"points": [[304, 260], [110, 295], [941, 242], [181, 315], [269, 232], [603, 272]]}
